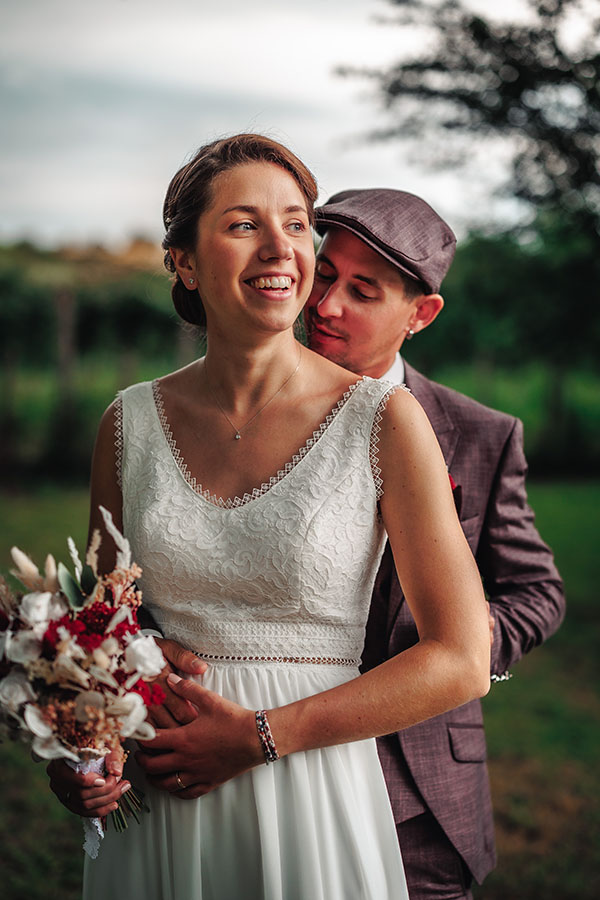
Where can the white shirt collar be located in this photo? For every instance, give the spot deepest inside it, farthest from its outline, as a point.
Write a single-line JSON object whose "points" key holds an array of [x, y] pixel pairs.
{"points": [[395, 373]]}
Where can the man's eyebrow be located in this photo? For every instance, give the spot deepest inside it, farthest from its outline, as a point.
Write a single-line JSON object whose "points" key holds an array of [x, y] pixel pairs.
{"points": [[373, 282], [253, 210]]}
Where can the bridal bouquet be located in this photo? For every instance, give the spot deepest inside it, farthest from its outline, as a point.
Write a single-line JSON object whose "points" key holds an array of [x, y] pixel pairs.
{"points": [[74, 663]]}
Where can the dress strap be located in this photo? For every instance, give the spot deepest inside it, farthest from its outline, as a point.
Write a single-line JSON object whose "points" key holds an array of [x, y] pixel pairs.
{"points": [[118, 410], [374, 436]]}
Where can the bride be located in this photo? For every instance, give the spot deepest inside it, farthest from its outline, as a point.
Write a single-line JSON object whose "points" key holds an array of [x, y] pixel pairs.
{"points": [[256, 487]]}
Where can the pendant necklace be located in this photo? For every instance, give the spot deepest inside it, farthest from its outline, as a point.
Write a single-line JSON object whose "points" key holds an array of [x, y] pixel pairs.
{"points": [[238, 431]]}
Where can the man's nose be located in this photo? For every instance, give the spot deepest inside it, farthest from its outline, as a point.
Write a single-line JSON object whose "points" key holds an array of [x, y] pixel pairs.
{"points": [[330, 305]]}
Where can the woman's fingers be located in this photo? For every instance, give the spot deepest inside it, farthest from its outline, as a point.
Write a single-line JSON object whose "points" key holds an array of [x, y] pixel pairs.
{"points": [[113, 763], [86, 795]]}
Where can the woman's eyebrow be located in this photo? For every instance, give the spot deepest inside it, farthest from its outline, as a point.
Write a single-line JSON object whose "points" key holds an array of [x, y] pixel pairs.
{"points": [[252, 210]]}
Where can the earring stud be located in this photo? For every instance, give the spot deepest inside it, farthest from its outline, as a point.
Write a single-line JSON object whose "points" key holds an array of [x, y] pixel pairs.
{"points": [[191, 280], [409, 334]]}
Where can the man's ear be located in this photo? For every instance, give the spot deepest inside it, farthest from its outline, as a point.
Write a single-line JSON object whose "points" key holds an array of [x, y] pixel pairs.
{"points": [[427, 308], [185, 266]]}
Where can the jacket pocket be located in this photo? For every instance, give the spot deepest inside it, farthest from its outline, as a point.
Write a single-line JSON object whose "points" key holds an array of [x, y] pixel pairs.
{"points": [[467, 743]]}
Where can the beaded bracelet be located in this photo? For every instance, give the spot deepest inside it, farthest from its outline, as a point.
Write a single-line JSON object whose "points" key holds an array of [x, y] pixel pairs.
{"points": [[265, 737]]}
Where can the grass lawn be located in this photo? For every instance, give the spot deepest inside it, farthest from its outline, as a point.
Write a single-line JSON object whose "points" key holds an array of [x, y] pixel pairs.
{"points": [[543, 726]]}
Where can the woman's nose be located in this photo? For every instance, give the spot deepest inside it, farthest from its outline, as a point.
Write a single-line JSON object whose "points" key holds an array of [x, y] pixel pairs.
{"points": [[276, 246]]}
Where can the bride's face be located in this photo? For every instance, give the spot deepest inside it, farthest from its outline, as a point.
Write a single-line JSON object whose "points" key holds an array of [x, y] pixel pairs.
{"points": [[254, 258]]}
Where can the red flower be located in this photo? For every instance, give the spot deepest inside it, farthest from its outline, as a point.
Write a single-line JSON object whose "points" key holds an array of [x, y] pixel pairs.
{"points": [[89, 642], [151, 694], [51, 638], [143, 689], [124, 628]]}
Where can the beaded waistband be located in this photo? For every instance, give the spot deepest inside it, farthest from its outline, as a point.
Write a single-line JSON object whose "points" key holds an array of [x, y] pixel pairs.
{"points": [[287, 641], [300, 660]]}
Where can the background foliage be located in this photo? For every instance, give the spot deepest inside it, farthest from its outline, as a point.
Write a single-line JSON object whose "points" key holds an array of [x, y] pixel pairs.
{"points": [[519, 331]]}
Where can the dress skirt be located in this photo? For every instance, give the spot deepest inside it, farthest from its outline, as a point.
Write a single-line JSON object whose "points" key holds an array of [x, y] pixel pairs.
{"points": [[312, 826]]}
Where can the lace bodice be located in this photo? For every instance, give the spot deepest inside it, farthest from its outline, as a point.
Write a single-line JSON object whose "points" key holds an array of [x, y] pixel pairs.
{"points": [[284, 572]]}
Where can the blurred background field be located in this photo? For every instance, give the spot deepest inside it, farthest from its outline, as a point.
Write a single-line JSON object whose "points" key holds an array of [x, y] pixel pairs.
{"points": [[543, 726]]}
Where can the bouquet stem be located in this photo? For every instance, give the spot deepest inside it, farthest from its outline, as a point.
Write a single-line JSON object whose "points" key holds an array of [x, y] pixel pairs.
{"points": [[131, 804]]}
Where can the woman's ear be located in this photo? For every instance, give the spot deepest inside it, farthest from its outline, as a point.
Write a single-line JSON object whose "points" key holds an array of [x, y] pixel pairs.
{"points": [[185, 267], [427, 308]]}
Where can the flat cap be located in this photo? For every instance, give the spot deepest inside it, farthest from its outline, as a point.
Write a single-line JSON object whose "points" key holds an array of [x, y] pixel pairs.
{"points": [[400, 226]]}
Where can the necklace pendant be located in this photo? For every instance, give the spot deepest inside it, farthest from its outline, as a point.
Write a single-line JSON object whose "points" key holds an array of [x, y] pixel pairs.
{"points": [[237, 436]]}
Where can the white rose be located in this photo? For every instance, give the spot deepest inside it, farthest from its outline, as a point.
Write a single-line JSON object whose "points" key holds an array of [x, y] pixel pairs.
{"points": [[39, 608], [144, 656], [23, 647], [131, 710], [15, 690]]}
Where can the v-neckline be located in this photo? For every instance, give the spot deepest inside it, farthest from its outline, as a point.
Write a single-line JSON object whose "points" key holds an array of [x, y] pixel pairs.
{"points": [[257, 492]]}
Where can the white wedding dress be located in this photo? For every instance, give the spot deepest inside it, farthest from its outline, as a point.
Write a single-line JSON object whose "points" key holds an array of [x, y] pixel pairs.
{"points": [[273, 590]]}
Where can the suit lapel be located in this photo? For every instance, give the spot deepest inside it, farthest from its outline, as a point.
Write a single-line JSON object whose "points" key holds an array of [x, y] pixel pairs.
{"points": [[445, 430]]}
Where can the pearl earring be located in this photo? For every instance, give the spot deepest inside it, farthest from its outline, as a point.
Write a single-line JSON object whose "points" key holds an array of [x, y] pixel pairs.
{"points": [[409, 334]]}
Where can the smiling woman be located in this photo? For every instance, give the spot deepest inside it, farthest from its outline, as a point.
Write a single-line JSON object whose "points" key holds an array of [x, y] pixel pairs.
{"points": [[191, 191], [250, 485]]}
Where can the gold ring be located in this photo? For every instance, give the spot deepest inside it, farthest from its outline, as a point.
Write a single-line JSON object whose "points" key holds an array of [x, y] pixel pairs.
{"points": [[179, 782]]}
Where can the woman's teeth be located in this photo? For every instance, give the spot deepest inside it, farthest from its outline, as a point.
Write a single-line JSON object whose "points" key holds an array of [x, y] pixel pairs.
{"points": [[274, 281]]}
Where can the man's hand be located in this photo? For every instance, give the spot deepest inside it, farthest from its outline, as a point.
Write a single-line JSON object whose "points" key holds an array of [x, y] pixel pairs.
{"points": [[218, 744], [175, 710]]}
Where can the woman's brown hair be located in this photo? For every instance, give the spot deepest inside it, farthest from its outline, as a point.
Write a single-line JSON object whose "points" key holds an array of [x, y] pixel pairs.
{"points": [[190, 193]]}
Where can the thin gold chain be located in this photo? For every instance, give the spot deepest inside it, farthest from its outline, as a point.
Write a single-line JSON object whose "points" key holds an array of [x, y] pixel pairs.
{"points": [[238, 431]]}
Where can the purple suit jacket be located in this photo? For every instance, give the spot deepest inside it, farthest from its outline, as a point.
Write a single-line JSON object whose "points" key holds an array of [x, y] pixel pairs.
{"points": [[439, 765]]}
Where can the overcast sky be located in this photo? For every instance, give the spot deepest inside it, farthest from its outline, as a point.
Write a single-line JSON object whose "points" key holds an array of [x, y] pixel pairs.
{"points": [[102, 101]]}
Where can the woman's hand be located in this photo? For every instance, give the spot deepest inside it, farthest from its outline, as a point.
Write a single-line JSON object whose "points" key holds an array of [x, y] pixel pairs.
{"points": [[92, 794], [175, 710], [218, 744]]}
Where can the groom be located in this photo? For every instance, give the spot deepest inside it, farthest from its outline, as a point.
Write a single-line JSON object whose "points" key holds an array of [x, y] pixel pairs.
{"points": [[379, 270]]}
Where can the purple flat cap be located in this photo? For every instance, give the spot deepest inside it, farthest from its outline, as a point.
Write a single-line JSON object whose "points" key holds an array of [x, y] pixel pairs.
{"points": [[400, 226]]}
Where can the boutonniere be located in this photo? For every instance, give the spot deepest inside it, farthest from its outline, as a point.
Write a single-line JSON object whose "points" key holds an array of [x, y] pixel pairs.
{"points": [[456, 493]]}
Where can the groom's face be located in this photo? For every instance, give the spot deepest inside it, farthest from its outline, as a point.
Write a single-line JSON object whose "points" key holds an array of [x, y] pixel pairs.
{"points": [[357, 314]]}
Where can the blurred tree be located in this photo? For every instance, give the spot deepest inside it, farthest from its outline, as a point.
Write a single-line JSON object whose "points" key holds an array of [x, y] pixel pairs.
{"points": [[535, 84], [27, 329], [528, 296]]}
